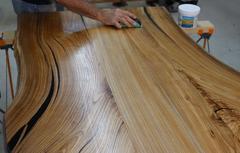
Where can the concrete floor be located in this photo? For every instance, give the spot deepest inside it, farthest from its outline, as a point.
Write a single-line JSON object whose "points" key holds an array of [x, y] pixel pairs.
{"points": [[7, 16], [225, 43]]}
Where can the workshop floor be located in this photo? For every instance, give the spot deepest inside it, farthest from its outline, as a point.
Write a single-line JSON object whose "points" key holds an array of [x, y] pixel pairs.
{"points": [[224, 44]]}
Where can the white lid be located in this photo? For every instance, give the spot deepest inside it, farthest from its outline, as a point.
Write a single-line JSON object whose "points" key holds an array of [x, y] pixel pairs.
{"points": [[189, 9]]}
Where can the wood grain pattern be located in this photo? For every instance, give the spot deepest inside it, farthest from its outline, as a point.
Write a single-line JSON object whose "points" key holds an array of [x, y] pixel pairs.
{"points": [[63, 103], [171, 97]]}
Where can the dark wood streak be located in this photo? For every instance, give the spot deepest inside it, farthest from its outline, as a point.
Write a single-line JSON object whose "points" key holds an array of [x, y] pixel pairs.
{"points": [[221, 112], [146, 90], [86, 144], [163, 110], [16, 138], [119, 129], [57, 68], [23, 131], [82, 102]]}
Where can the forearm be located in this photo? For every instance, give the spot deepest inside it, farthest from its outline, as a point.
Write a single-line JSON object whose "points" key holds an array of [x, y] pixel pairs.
{"points": [[81, 7], [107, 17]]}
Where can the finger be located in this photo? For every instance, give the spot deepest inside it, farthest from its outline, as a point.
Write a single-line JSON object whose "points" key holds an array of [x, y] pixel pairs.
{"points": [[117, 25], [130, 21], [129, 14], [124, 21]]}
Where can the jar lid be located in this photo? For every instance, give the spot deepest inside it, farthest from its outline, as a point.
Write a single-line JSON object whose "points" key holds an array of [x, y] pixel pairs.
{"points": [[189, 9]]}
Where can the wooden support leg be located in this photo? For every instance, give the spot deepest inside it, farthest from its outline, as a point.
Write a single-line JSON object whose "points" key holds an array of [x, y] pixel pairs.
{"points": [[204, 43], [9, 73], [208, 46]]}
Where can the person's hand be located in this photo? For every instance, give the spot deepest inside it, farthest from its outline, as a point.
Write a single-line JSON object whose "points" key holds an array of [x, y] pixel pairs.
{"points": [[115, 17]]}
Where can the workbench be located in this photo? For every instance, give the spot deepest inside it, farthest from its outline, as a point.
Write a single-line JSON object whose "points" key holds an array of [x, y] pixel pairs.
{"points": [[88, 88]]}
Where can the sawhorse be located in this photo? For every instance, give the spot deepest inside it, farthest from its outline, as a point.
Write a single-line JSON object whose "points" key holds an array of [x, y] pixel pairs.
{"points": [[205, 30], [6, 45]]}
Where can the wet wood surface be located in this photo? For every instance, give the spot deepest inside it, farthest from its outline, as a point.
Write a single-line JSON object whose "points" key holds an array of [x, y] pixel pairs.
{"points": [[85, 87]]}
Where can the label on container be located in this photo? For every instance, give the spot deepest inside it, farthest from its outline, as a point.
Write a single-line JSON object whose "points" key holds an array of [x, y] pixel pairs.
{"points": [[186, 21]]}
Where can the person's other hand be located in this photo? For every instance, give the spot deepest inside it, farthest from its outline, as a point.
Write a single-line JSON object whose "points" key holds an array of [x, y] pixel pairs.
{"points": [[116, 17]]}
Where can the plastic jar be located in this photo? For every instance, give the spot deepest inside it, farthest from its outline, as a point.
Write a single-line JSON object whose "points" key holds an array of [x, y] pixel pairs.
{"points": [[188, 15]]}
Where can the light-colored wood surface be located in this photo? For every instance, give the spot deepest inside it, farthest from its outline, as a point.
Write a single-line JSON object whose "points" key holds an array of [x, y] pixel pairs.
{"points": [[171, 97], [62, 93]]}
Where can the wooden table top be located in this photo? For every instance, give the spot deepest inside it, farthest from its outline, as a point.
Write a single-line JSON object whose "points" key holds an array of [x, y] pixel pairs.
{"points": [[88, 88]]}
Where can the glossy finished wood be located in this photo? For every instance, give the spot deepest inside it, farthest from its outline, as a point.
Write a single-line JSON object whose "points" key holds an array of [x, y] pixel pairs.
{"points": [[63, 103], [171, 97]]}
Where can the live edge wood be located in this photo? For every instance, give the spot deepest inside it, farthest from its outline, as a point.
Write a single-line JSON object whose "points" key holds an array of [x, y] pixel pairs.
{"points": [[85, 87], [63, 103]]}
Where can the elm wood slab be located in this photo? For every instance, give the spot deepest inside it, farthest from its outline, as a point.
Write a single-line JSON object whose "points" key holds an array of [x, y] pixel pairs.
{"points": [[63, 103], [172, 95]]}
